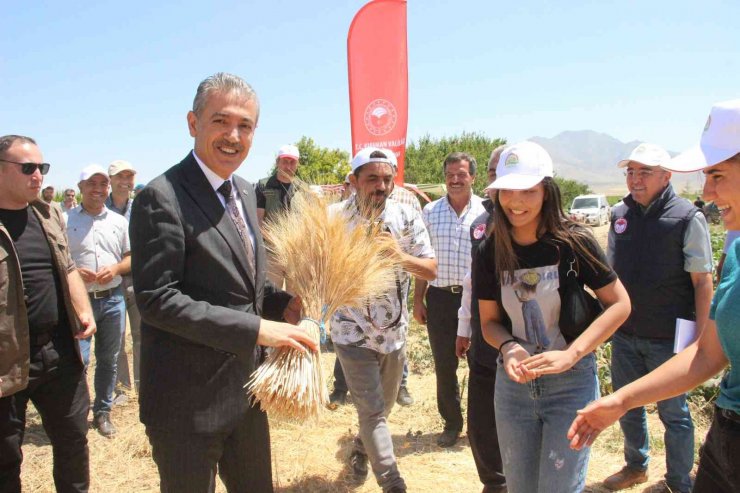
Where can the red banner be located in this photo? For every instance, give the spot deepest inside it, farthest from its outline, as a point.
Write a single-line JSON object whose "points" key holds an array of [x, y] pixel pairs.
{"points": [[378, 78]]}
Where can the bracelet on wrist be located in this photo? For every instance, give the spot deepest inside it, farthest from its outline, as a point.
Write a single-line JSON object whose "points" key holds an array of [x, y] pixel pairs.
{"points": [[507, 341]]}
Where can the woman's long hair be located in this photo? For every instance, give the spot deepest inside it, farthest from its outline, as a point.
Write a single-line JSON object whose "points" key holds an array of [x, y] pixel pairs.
{"points": [[563, 231]]}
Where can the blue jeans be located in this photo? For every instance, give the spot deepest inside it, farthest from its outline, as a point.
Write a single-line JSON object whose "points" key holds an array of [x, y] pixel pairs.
{"points": [[110, 318], [633, 357], [532, 420]]}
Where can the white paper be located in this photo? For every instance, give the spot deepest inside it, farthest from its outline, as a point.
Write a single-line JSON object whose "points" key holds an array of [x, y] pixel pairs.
{"points": [[685, 334]]}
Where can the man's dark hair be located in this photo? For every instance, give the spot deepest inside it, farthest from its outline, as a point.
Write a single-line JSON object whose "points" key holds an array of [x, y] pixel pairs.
{"points": [[456, 157], [48, 188], [8, 140]]}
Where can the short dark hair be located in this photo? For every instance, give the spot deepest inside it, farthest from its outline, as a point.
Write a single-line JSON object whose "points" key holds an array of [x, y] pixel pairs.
{"points": [[48, 188], [8, 140], [456, 157]]}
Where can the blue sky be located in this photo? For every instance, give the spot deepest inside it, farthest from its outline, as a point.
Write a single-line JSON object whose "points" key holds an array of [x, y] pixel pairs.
{"points": [[94, 82]]}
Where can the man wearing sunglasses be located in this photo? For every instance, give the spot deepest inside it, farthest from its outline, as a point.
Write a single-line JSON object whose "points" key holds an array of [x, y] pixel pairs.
{"points": [[45, 308], [659, 247]]}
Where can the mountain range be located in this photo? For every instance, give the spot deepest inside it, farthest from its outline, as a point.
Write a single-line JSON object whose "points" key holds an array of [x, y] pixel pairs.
{"points": [[591, 157]]}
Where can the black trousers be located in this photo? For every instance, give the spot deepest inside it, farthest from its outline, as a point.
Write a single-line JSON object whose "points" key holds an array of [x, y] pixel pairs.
{"points": [[442, 309], [482, 426], [719, 458], [58, 389], [188, 463]]}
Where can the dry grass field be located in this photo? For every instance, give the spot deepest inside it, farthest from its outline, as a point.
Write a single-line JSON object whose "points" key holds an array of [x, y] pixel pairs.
{"points": [[312, 457]]}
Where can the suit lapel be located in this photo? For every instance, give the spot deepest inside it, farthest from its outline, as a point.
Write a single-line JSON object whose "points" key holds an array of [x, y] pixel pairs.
{"points": [[202, 193]]}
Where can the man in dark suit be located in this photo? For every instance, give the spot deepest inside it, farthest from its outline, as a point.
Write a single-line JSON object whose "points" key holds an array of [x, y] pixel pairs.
{"points": [[199, 274]]}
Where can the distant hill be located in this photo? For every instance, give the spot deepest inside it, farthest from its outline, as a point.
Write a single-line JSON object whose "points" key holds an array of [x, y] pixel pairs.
{"points": [[591, 157]]}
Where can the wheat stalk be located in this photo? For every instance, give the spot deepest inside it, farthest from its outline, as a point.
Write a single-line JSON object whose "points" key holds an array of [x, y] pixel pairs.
{"points": [[331, 263]]}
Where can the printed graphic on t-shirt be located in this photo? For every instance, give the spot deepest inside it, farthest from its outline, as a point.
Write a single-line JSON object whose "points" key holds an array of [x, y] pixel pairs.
{"points": [[532, 301]]}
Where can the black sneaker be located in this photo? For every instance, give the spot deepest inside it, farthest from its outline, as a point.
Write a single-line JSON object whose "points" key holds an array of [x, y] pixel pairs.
{"points": [[358, 464], [404, 398]]}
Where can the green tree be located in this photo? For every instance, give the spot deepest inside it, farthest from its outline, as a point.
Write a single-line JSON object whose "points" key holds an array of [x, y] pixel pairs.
{"points": [[321, 165], [570, 189], [424, 157]]}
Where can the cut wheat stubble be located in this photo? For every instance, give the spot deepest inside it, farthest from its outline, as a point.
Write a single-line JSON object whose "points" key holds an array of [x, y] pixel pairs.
{"points": [[331, 262]]}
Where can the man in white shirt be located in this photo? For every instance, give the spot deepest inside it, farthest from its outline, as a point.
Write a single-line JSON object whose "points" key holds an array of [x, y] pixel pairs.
{"points": [[448, 220], [99, 243]]}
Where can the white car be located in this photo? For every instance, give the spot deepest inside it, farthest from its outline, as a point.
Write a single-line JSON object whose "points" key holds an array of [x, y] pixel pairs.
{"points": [[590, 209]]}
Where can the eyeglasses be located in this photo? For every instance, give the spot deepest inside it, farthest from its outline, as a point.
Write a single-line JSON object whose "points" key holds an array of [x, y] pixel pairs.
{"points": [[30, 168], [643, 174]]}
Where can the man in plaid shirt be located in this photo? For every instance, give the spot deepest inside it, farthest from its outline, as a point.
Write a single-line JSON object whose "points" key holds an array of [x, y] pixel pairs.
{"points": [[436, 303]]}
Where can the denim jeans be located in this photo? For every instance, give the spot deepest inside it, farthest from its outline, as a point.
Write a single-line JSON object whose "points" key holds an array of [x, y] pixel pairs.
{"points": [[110, 318], [532, 420], [718, 463], [373, 379], [633, 357]]}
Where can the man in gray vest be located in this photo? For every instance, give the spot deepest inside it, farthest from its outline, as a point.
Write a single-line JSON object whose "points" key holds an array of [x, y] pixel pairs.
{"points": [[274, 194], [659, 246]]}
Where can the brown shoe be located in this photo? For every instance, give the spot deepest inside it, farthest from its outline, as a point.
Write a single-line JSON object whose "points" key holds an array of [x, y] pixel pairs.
{"points": [[625, 478]]}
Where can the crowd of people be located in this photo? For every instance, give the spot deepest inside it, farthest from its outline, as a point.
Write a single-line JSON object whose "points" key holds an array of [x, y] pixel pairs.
{"points": [[494, 279]]}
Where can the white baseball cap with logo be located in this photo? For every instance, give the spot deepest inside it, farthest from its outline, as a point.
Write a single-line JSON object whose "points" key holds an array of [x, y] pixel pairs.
{"points": [[719, 141], [522, 166], [363, 157], [290, 151], [647, 154]]}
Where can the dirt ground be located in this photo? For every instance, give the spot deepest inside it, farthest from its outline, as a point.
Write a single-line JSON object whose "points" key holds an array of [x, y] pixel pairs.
{"points": [[313, 457]]}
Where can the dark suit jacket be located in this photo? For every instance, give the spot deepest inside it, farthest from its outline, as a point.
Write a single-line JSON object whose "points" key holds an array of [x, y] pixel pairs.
{"points": [[200, 307]]}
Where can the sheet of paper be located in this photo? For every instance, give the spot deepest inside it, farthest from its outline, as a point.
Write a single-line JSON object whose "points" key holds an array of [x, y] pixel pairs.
{"points": [[685, 334]]}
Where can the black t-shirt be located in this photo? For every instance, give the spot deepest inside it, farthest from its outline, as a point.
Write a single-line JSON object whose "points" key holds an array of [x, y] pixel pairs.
{"points": [[40, 279], [531, 301], [273, 185]]}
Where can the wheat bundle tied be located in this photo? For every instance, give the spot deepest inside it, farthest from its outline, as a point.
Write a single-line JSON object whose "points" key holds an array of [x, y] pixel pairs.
{"points": [[330, 263]]}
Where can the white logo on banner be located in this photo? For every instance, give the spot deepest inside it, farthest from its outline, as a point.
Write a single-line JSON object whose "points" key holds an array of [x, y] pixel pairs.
{"points": [[380, 117]]}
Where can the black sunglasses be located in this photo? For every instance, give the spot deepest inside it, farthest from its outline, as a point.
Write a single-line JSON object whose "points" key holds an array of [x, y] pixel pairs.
{"points": [[29, 168]]}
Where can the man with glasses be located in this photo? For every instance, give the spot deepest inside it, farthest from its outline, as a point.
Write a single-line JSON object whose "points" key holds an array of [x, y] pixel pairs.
{"points": [[70, 200], [99, 243], [659, 246], [448, 220], [45, 307]]}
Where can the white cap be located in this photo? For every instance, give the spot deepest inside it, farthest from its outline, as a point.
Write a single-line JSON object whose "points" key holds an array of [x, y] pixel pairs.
{"points": [[117, 166], [94, 169], [289, 150], [719, 142], [647, 154], [363, 157], [522, 166]]}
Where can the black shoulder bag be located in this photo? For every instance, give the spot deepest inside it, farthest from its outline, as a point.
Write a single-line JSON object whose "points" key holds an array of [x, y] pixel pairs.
{"points": [[578, 309]]}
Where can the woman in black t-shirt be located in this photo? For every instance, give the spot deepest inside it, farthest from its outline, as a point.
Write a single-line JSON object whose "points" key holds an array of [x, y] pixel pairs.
{"points": [[542, 379]]}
